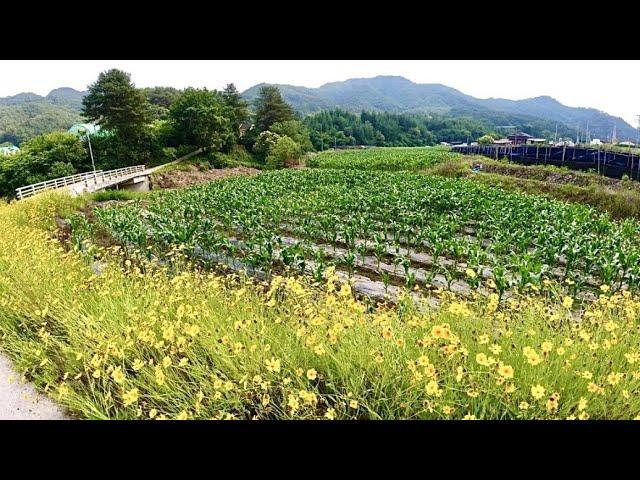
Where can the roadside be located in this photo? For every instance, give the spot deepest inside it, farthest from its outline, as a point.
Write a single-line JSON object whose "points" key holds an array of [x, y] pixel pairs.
{"points": [[21, 401]]}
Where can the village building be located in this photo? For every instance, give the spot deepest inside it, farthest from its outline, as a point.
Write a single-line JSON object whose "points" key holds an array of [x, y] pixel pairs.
{"points": [[519, 138], [9, 150]]}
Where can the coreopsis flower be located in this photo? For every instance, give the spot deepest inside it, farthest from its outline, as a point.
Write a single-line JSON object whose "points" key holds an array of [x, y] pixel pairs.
{"points": [[537, 392]]}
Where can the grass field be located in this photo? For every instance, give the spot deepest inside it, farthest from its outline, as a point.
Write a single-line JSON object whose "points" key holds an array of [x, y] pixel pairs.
{"points": [[111, 337]]}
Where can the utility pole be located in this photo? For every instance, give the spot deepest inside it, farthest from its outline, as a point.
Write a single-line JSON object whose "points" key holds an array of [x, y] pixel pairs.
{"points": [[555, 137], [93, 163]]}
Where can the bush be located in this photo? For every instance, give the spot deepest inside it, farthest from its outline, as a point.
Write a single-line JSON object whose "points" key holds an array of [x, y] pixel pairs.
{"points": [[284, 153]]}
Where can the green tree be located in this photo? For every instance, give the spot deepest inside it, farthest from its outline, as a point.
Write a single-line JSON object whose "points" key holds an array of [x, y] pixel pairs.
{"points": [[116, 104], [234, 101], [201, 118], [45, 157], [285, 152], [486, 140], [160, 100], [271, 108], [295, 130], [264, 143]]}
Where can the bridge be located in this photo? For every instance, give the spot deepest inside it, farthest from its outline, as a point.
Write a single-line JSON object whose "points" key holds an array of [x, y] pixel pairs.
{"points": [[130, 178], [134, 178]]}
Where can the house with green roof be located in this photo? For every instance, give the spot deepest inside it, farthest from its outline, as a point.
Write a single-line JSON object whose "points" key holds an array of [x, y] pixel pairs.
{"points": [[9, 150]]}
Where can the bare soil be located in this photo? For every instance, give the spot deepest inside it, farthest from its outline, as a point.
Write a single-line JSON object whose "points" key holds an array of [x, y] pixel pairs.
{"points": [[193, 176]]}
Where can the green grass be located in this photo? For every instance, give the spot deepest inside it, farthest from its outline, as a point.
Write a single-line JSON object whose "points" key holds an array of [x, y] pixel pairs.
{"points": [[107, 195], [136, 341]]}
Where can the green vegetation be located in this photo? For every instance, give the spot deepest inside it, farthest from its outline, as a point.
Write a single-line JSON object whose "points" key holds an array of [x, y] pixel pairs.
{"points": [[118, 195], [200, 117], [125, 339], [389, 159], [408, 219], [621, 199], [52, 155]]}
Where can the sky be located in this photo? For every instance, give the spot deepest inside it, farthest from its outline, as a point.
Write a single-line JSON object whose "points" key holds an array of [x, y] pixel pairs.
{"points": [[608, 85]]}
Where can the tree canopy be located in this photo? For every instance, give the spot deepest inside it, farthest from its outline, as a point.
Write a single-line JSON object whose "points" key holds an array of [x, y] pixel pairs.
{"points": [[116, 104], [271, 108], [201, 118]]}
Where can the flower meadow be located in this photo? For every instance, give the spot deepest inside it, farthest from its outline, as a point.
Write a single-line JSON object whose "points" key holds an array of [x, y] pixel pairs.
{"points": [[109, 335]]}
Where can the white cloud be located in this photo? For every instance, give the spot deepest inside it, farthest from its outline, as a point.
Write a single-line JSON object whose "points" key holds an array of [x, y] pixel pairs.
{"points": [[606, 85]]}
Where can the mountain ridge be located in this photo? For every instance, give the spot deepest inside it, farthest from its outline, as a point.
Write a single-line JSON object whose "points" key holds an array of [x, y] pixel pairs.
{"points": [[397, 94]]}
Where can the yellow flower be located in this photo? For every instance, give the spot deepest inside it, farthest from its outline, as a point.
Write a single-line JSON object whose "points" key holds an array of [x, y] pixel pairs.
{"points": [[447, 410], [484, 338], [567, 302], [130, 397], [495, 349], [319, 349], [433, 389], [183, 361], [166, 362], [96, 373], [537, 392], [152, 413], [523, 406], [312, 374], [482, 359], [293, 403], [273, 365], [183, 415], [510, 388], [387, 333], [582, 404], [117, 375], [472, 393], [547, 347], [331, 414], [614, 378], [469, 416], [423, 361], [459, 374], [605, 288], [560, 351], [353, 404], [470, 273], [506, 371]]}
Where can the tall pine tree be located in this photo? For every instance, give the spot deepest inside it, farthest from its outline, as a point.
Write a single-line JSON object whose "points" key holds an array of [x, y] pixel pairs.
{"points": [[271, 108], [116, 104]]}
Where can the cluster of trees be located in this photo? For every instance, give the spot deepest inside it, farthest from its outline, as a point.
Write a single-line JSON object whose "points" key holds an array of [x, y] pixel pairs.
{"points": [[52, 155], [343, 128], [153, 125]]}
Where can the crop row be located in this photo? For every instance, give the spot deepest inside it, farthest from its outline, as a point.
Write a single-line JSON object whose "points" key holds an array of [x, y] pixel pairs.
{"points": [[388, 159], [522, 239]]}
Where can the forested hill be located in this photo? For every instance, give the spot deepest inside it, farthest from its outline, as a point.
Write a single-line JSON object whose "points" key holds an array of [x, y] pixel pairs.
{"points": [[26, 115], [397, 94]]}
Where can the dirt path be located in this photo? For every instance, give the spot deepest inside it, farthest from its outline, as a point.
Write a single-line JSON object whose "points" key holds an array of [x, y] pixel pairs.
{"points": [[20, 401], [193, 176]]}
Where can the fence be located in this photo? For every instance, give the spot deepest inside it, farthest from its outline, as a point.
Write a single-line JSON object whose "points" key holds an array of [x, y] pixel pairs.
{"points": [[604, 162], [88, 180]]}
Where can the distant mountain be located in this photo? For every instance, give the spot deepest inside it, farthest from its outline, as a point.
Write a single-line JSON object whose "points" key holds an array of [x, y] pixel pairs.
{"points": [[26, 115], [397, 94]]}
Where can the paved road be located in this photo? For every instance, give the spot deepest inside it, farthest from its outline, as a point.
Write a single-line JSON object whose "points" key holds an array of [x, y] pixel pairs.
{"points": [[21, 401]]}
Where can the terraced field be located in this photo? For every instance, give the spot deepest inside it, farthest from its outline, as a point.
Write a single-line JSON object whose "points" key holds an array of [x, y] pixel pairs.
{"points": [[392, 229]]}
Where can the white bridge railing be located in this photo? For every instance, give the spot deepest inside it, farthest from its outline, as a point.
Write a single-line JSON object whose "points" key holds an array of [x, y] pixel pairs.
{"points": [[91, 180]]}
